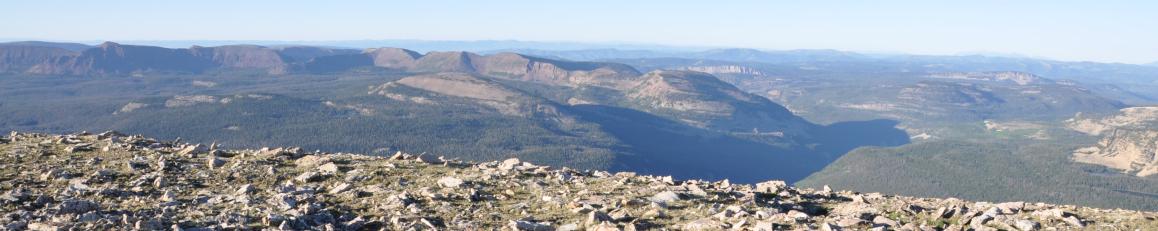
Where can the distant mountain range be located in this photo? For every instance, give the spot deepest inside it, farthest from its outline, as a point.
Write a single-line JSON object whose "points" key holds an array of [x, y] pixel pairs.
{"points": [[116, 59], [1092, 72], [588, 114], [412, 44]]}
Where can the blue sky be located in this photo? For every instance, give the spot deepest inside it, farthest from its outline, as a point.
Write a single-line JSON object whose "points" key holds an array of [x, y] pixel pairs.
{"points": [[1109, 31]]}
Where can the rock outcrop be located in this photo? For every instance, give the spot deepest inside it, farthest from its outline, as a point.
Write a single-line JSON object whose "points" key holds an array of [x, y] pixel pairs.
{"points": [[1129, 140], [725, 69], [133, 182], [32, 58]]}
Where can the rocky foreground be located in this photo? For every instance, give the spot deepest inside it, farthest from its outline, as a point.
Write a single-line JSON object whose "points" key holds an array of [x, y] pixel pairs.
{"points": [[110, 181]]}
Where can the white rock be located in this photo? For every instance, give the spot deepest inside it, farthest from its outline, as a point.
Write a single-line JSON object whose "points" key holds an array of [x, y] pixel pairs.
{"points": [[307, 177], [77, 206], [1075, 221], [881, 220], [450, 182], [530, 226], [771, 186], [1026, 225], [328, 168], [215, 162], [704, 224], [245, 189], [342, 187], [168, 197], [193, 150], [665, 197], [510, 164], [429, 159]]}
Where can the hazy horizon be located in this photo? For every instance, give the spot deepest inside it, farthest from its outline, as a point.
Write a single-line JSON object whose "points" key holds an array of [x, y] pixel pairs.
{"points": [[1101, 32]]}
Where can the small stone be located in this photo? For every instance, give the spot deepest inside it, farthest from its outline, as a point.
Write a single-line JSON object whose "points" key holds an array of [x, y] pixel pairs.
{"points": [[992, 212], [307, 177], [450, 182], [596, 217], [665, 197], [284, 201], [1075, 221], [429, 159], [215, 162], [944, 212], [848, 222], [16, 225], [704, 224], [342, 187], [311, 161], [797, 215], [168, 197], [193, 150], [245, 189], [1026, 225], [328, 168], [697, 191], [398, 156], [78, 148], [828, 227], [568, 227], [979, 221], [1010, 207], [43, 227], [530, 226], [509, 164], [653, 214], [77, 206], [160, 182], [1049, 213], [619, 215], [764, 226], [771, 187], [604, 226], [881, 220]]}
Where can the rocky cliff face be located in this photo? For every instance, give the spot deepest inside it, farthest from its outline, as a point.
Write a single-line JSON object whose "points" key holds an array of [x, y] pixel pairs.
{"points": [[112, 181], [725, 69], [115, 59], [33, 58], [1129, 140], [1131, 151]]}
